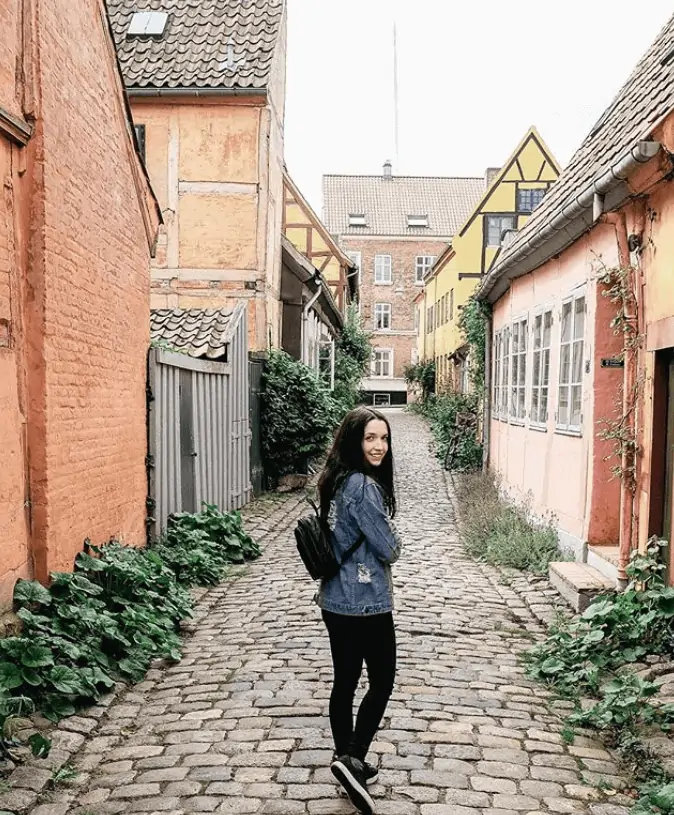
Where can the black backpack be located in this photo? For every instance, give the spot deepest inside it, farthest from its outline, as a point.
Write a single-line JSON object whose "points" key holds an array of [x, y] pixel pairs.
{"points": [[314, 543]]}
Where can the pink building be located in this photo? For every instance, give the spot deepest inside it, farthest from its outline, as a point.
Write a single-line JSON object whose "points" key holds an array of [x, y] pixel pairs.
{"points": [[557, 369]]}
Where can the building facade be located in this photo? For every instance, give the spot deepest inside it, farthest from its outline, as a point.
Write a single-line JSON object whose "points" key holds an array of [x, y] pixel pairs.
{"points": [[598, 248], [206, 82], [514, 192], [393, 228], [77, 226]]}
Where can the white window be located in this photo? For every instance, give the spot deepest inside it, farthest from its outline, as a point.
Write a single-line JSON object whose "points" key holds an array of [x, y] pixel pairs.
{"points": [[505, 370], [569, 408], [382, 269], [496, 226], [518, 367], [417, 220], [540, 374], [382, 316], [422, 265], [357, 219], [496, 384], [382, 362], [147, 24], [357, 259], [326, 363]]}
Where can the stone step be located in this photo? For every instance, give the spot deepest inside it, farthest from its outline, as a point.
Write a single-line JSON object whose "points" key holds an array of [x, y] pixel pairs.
{"points": [[605, 560], [579, 583]]}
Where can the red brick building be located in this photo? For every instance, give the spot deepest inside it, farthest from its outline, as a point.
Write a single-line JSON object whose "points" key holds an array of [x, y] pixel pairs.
{"points": [[77, 226], [393, 228]]}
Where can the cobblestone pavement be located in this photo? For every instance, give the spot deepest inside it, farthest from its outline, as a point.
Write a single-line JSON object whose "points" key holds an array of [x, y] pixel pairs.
{"points": [[240, 725]]}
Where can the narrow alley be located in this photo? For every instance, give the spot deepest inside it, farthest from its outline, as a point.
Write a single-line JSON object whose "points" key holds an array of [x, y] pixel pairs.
{"points": [[240, 725]]}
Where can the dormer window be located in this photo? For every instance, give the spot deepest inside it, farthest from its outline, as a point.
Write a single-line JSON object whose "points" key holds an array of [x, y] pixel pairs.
{"points": [[357, 219], [418, 221], [147, 24]]}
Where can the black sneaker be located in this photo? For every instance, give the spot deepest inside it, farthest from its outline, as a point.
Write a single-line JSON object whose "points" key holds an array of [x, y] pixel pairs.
{"points": [[350, 772], [371, 773]]}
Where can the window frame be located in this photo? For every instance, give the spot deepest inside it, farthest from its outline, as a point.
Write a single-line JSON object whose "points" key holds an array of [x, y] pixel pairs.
{"points": [[505, 373], [517, 392], [530, 192], [425, 268], [417, 222], [391, 368], [383, 309], [501, 217], [569, 428], [534, 421], [496, 375], [388, 282], [357, 219]]}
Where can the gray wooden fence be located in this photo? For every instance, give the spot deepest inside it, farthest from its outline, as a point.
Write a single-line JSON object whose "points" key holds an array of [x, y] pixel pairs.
{"points": [[199, 431]]}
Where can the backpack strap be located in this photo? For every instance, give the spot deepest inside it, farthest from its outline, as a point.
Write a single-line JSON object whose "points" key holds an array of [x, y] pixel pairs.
{"points": [[354, 546]]}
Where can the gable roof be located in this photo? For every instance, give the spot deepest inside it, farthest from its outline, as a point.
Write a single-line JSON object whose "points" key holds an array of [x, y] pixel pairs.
{"points": [[602, 163], [207, 44], [386, 203], [197, 332]]}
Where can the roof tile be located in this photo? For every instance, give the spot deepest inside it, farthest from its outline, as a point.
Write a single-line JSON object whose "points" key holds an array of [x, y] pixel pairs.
{"points": [[386, 203], [195, 331], [195, 48]]}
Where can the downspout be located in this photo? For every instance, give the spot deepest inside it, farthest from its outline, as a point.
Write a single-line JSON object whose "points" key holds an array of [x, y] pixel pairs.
{"points": [[486, 407], [628, 504]]}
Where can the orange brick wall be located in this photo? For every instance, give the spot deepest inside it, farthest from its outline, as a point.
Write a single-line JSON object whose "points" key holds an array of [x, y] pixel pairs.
{"points": [[82, 302]]}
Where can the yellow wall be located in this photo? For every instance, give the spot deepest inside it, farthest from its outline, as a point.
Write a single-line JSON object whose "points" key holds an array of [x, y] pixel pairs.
{"points": [[531, 166]]}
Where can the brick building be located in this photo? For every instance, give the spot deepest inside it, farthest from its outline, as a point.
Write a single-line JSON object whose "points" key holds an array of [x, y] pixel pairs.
{"points": [[393, 228], [206, 83], [77, 226]]}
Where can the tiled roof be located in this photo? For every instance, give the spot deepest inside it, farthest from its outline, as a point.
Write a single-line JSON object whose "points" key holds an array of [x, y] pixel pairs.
{"points": [[195, 331], [645, 98], [386, 203], [206, 44]]}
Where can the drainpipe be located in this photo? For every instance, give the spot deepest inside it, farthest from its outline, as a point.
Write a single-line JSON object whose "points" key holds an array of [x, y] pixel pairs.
{"points": [[628, 504], [305, 320], [486, 408]]}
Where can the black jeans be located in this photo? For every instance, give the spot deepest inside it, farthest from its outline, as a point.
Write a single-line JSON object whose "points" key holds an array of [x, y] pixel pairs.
{"points": [[354, 640]]}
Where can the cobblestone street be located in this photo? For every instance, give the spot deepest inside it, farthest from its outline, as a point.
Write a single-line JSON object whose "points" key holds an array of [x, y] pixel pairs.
{"points": [[240, 725]]}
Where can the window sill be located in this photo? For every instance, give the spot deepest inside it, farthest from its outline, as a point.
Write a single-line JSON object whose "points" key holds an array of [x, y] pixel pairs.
{"points": [[517, 422], [569, 431], [538, 427], [418, 282], [383, 282]]}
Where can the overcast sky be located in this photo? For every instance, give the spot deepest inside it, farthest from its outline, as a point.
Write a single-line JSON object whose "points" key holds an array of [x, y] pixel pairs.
{"points": [[473, 76]]}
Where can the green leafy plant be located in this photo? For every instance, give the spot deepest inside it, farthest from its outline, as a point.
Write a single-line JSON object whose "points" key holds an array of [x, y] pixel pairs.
{"points": [[655, 799], [353, 353], [442, 413], [423, 375], [473, 322], [298, 415], [16, 730]]}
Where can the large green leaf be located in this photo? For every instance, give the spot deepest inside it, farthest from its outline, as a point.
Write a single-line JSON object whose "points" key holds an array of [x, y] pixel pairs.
{"points": [[600, 608], [10, 676], [30, 592], [39, 745], [37, 656], [664, 798], [66, 680]]}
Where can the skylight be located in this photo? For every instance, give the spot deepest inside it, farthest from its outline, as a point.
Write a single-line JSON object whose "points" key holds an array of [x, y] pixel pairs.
{"points": [[147, 24], [417, 220], [357, 220]]}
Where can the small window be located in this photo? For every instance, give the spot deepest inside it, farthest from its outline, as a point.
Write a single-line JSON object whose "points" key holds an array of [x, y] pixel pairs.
{"points": [[528, 200], [381, 400], [451, 304], [382, 362], [572, 349], [140, 138], [357, 219], [496, 226], [326, 363], [540, 374], [518, 379], [382, 316], [417, 220], [422, 265], [505, 370], [147, 24], [382, 269]]}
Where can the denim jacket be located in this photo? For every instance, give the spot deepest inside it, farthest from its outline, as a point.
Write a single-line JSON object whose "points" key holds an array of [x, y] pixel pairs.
{"points": [[363, 585]]}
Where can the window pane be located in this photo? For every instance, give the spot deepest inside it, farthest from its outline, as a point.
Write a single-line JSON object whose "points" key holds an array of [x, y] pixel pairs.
{"points": [[565, 365], [543, 412], [538, 331], [547, 329], [576, 395], [563, 405], [536, 373], [534, 405], [577, 373], [521, 407], [545, 372], [523, 371], [579, 321], [566, 322]]}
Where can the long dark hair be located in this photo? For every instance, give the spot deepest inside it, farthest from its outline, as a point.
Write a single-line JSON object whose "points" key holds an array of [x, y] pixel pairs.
{"points": [[346, 457]]}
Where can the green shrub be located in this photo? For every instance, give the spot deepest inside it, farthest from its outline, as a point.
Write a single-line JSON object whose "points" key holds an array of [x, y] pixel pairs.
{"points": [[500, 533], [441, 412], [423, 375], [298, 415], [353, 353], [222, 535]]}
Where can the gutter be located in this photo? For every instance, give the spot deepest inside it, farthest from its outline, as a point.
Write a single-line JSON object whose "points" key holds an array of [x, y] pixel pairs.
{"points": [[195, 92], [606, 192]]}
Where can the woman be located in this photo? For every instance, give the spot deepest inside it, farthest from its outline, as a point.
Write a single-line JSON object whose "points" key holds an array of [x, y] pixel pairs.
{"points": [[358, 501]]}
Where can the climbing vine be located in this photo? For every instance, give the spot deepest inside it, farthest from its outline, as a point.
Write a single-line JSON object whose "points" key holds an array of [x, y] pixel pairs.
{"points": [[473, 323], [621, 429]]}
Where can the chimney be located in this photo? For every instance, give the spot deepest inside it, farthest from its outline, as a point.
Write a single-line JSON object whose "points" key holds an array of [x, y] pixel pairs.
{"points": [[388, 169], [489, 175]]}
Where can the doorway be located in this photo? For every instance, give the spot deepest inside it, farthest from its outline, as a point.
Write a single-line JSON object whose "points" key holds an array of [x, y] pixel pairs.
{"points": [[662, 464]]}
